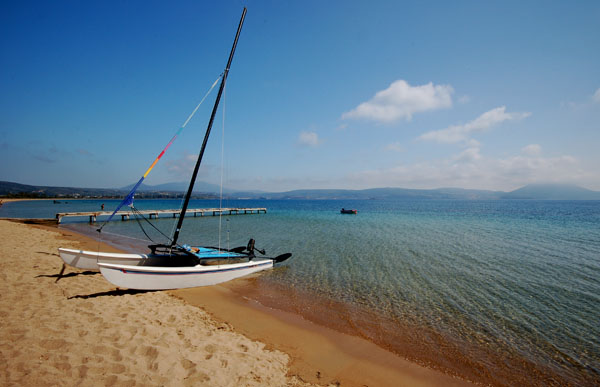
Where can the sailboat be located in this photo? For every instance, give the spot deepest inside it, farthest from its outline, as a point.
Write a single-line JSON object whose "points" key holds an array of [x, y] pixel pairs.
{"points": [[171, 265]]}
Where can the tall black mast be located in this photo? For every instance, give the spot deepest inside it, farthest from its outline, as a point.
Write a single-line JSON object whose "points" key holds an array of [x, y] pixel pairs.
{"points": [[210, 122]]}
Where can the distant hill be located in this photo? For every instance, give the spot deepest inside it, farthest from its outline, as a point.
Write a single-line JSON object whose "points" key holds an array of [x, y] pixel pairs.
{"points": [[205, 190], [10, 189], [17, 190], [386, 193], [532, 191], [552, 192]]}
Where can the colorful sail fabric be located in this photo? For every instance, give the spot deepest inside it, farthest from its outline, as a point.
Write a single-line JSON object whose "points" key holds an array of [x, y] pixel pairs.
{"points": [[129, 198]]}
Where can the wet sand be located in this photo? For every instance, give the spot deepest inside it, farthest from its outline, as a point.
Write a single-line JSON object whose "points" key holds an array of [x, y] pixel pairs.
{"points": [[82, 330], [318, 354]]}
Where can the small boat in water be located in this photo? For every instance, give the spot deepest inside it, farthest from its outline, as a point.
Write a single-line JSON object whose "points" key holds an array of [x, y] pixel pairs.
{"points": [[345, 211]]}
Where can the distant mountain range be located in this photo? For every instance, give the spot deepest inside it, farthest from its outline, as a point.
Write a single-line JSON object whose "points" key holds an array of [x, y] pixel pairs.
{"points": [[206, 190], [10, 189], [532, 191], [386, 193], [552, 192], [16, 190]]}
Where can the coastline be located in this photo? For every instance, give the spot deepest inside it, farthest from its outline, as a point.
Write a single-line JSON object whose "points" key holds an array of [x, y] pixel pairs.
{"points": [[277, 348], [8, 200], [318, 354]]}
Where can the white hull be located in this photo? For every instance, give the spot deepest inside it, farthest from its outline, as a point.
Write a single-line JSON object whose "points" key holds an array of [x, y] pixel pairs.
{"points": [[88, 260], [158, 278]]}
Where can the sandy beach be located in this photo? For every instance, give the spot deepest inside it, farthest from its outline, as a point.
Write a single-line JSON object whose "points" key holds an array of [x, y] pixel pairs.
{"points": [[81, 330]]}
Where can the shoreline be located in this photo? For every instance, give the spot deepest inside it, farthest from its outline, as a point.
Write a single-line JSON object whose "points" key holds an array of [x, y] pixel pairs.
{"points": [[316, 354]]}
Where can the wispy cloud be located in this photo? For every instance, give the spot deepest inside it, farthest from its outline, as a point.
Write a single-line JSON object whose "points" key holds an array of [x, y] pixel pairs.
{"points": [[464, 99], [45, 158], [532, 150], [596, 96], [469, 155], [395, 147], [458, 133], [591, 101], [401, 100], [182, 166], [47, 155], [471, 169], [309, 139]]}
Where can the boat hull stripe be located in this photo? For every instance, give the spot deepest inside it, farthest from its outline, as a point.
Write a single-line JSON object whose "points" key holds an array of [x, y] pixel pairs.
{"points": [[189, 272]]}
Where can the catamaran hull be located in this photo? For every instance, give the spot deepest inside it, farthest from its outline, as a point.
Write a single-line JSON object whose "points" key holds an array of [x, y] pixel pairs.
{"points": [[161, 278], [88, 260]]}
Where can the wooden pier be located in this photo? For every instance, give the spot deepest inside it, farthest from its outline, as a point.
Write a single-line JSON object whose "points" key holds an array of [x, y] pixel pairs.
{"points": [[125, 215]]}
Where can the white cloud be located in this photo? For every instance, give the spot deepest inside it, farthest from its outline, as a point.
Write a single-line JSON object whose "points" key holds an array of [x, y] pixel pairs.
{"points": [[471, 169], [532, 150], [468, 155], [181, 166], [596, 96], [458, 133], [310, 139], [401, 101], [464, 99], [591, 101], [395, 147]]}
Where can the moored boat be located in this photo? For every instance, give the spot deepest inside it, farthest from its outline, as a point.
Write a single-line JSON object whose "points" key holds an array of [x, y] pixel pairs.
{"points": [[345, 211], [180, 266]]}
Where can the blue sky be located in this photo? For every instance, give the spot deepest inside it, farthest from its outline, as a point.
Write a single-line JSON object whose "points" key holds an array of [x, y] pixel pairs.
{"points": [[321, 94]]}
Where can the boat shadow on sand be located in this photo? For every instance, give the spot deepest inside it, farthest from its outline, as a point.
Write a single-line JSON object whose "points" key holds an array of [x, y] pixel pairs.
{"points": [[112, 293], [73, 274], [115, 292]]}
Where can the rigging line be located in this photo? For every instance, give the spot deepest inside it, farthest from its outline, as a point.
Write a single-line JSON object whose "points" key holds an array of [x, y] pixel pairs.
{"points": [[137, 239], [188, 194], [184, 124], [129, 198], [123, 236], [222, 162], [206, 95], [142, 227], [150, 223]]}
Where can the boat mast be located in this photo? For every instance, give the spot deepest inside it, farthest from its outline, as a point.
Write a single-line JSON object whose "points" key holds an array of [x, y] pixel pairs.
{"points": [[210, 123]]}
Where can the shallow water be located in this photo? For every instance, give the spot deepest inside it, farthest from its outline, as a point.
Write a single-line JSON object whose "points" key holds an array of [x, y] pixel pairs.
{"points": [[501, 292]]}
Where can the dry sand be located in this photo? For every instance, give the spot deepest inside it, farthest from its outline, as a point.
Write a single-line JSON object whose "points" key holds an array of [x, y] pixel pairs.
{"points": [[82, 331]]}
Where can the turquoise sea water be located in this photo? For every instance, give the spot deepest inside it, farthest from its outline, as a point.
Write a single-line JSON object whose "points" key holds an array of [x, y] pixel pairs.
{"points": [[501, 292]]}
